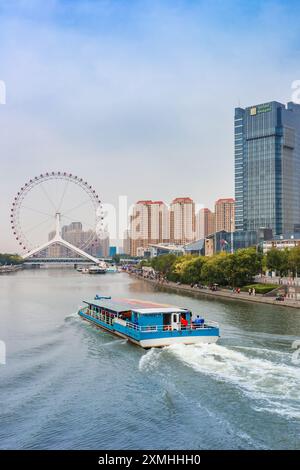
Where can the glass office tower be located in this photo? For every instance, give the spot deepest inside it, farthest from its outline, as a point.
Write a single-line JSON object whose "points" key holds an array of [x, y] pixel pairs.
{"points": [[267, 167]]}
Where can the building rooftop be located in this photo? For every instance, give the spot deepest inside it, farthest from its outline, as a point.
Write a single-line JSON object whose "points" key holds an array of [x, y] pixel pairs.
{"points": [[167, 246], [228, 199], [182, 200], [149, 202], [146, 202], [196, 245]]}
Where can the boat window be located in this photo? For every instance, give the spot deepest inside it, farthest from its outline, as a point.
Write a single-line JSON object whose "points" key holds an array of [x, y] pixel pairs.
{"points": [[125, 315], [166, 321]]}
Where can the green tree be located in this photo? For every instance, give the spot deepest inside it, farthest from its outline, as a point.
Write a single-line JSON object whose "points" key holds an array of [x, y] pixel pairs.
{"points": [[144, 262], [214, 269], [116, 258], [6, 258], [278, 261], [244, 264], [164, 263], [294, 260], [188, 268]]}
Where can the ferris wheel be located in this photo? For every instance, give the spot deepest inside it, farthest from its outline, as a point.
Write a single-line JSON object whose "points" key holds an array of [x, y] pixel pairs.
{"points": [[51, 205]]}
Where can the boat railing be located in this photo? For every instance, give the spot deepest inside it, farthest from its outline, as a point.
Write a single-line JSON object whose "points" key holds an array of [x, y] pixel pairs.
{"points": [[133, 326], [165, 328], [97, 315], [84, 308]]}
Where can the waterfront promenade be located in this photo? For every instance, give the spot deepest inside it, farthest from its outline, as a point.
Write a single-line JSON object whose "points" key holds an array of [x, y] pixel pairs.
{"points": [[220, 293]]}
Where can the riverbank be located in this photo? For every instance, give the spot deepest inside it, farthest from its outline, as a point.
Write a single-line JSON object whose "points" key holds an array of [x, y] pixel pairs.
{"points": [[10, 269], [221, 293]]}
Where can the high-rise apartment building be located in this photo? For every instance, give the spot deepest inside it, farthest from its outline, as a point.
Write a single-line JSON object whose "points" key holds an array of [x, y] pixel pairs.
{"points": [[267, 167], [149, 224], [205, 223], [99, 247], [182, 221], [224, 215], [126, 243]]}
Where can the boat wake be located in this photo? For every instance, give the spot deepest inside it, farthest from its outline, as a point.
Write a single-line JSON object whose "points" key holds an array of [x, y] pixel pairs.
{"points": [[115, 342], [150, 360], [271, 379], [72, 316]]}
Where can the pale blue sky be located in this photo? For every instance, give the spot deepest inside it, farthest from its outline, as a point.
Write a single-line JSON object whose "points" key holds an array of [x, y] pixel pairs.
{"points": [[137, 96]]}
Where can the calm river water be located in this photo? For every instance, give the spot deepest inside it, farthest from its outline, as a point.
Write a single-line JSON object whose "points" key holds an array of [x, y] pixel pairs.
{"points": [[69, 385]]}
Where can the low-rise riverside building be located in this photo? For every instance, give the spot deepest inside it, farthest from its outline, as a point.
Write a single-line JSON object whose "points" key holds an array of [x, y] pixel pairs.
{"points": [[282, 242]]}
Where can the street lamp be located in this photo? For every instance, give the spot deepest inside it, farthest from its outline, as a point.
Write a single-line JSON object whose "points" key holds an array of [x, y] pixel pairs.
{"points": [[231, 236]]}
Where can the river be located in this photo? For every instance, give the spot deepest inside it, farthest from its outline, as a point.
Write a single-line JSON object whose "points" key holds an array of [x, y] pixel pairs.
{"points": [[69, 385]]}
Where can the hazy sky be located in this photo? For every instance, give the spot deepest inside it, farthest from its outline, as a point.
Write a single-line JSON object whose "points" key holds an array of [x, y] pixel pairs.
{"points": [[136, 96]]}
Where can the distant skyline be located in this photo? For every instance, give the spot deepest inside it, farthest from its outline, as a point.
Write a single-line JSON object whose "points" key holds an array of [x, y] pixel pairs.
{"points": [[137, 97]]}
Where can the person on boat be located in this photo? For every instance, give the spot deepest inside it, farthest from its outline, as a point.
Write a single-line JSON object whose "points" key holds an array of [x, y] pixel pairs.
{"points": [[183, 321], [198, 321]]}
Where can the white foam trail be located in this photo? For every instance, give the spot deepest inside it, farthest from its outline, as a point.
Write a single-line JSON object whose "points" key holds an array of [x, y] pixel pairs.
{"points": [[115, 342], [72, 316], [276, 385], [262, 351], [150, 360]]}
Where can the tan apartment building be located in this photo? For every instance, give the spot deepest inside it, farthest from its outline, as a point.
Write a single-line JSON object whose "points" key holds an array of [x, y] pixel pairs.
{"points": [[205, 223], [149, 224], [224, 215], [182, 221]]}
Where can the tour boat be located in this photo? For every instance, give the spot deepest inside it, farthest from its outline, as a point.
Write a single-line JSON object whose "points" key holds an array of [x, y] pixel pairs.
{"points": [[112, 269], [97, 270], [149, 324], [83, 270]]}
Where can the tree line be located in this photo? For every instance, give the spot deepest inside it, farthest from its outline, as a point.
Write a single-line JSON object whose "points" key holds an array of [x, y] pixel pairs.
{"points": [[226, 269], [7, 258]]}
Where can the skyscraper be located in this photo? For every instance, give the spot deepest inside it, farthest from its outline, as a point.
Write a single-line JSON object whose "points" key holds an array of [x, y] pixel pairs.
{"points": [[182, 220], [224, 215], [267, 167]]}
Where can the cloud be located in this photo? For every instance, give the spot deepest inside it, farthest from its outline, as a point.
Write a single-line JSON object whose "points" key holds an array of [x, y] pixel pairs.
{"points": [[136, 96]]}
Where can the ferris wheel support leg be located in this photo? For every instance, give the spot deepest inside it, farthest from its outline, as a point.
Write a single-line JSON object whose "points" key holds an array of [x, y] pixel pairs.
{"points": [[36, 250]]}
